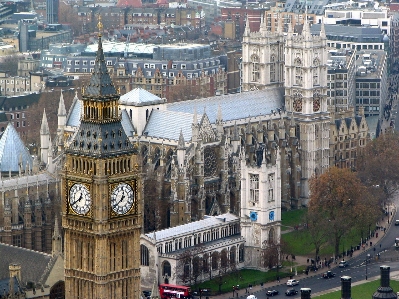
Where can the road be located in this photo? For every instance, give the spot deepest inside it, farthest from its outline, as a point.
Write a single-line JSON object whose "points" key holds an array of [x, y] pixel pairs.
{"points": [[356, 269]]}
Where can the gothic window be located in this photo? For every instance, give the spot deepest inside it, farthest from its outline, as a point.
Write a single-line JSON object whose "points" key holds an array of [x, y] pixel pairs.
{"points": [[232, 255], [271, 236], [166, 269], [125, 256], [254, 187], [224, 259], [241, 253], [145, 260], [205, 264], [255, 68], [215, 260], [272, 68], [316, 63], [298, 71]]}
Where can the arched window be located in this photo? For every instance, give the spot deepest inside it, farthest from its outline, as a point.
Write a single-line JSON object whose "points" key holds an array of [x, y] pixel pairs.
{"points": [[298, 71], [215, 260], [232, 255], [255, 68], [272, 68], [241, 253], [224, 259], [205, 263], [166, 269], [271, 236], [145, 259]]}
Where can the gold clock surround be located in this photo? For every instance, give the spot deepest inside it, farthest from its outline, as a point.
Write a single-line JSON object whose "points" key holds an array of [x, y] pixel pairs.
{"points": [[133, 209], [70, 209]]}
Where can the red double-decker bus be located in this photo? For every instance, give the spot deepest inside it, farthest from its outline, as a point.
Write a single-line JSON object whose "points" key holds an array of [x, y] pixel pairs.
{"points": [[170, 291]]}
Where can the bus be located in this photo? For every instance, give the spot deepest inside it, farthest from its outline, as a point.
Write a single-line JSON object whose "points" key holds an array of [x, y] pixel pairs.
{"points": [[397, 243], [170, 291]]}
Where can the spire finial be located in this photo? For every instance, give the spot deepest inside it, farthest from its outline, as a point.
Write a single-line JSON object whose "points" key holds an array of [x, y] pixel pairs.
{"points": [[99, 26]]}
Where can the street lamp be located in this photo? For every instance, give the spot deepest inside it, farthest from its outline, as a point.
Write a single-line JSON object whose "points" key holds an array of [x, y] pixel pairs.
{"points": [[367, 258]]}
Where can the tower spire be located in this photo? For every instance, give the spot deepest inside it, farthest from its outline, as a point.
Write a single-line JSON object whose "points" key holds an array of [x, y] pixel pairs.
{"points": [[247, 30], [44, 129]]}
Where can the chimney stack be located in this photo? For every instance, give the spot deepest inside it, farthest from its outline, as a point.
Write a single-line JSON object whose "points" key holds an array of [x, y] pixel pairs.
{"points": [[346, 284], [384, 291], [305, 293], [15, 271]]}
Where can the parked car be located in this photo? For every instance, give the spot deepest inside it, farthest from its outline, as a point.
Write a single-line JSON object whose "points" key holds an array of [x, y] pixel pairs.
{"points": [[292, 282], [271, 293], [328, 274], [396, 222], [291, 292], [343, 264]]}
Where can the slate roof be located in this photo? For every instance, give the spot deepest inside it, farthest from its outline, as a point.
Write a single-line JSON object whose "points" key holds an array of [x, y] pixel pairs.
{"points": [[33, 263], [100, 140], [140, 97], [234, 106], [192, 227], [127, 124], [73, 118], [12, 151], [179, 115], [5, 286], [168, 124], [100, 84]]}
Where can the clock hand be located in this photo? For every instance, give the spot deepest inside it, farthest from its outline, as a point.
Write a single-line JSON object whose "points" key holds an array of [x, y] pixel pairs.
{"points": [[122, 197], [79, 199]]}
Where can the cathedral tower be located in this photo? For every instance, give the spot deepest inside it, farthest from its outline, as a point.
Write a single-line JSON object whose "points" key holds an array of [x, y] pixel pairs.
{"points": [[262, 58], [101, 198], [305, 96]]}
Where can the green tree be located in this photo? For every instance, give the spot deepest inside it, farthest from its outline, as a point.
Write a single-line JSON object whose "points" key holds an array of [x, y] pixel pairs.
{"points": [[336, 196]]}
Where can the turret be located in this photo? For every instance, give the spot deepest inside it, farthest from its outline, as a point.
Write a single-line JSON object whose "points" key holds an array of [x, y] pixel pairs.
{"points": [[61, 113], [181, 150], [219, 124], [56, 240], [195, 127], [44, 138]]}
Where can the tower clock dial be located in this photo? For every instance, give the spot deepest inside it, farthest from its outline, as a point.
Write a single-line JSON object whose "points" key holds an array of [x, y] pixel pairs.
{"points": [[316, 104], [122, 199], [79, 199]]}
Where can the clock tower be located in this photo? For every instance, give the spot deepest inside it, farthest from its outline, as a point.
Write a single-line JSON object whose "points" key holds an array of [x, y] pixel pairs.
{"points": [[101, 198], [306, 100]]}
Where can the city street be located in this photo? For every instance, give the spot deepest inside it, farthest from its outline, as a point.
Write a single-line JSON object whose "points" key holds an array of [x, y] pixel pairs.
{"points": [[357, 269]]}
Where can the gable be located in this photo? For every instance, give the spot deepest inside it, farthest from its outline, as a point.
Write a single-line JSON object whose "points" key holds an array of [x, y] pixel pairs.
{"points": [[206, 132]]}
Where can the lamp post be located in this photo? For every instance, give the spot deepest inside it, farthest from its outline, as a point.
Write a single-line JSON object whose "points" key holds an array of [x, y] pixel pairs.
{"points": [[367, 259]]}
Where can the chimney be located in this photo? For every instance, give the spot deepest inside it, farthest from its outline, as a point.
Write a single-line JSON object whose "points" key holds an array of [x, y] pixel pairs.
{"points": [[305, 293], [384, 291], [15, 270], [346, 282]]}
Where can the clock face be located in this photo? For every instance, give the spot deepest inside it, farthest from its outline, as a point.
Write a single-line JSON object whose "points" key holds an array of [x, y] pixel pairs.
{"points": [[122, 199], [79, 199], [297, 104], [316, 104]]}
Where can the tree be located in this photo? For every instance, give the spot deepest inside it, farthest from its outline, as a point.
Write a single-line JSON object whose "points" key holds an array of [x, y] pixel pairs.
{"points": [[10, 63], [378, 164], [48, 100], [317, 227], [337, 196], [189, 265]]}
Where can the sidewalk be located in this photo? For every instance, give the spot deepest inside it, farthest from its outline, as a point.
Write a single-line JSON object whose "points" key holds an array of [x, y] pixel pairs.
{"points": [[302, 260]]}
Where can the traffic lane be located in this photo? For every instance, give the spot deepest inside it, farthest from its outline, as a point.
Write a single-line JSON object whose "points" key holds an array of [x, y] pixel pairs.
{"points": [[318, 284]]}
